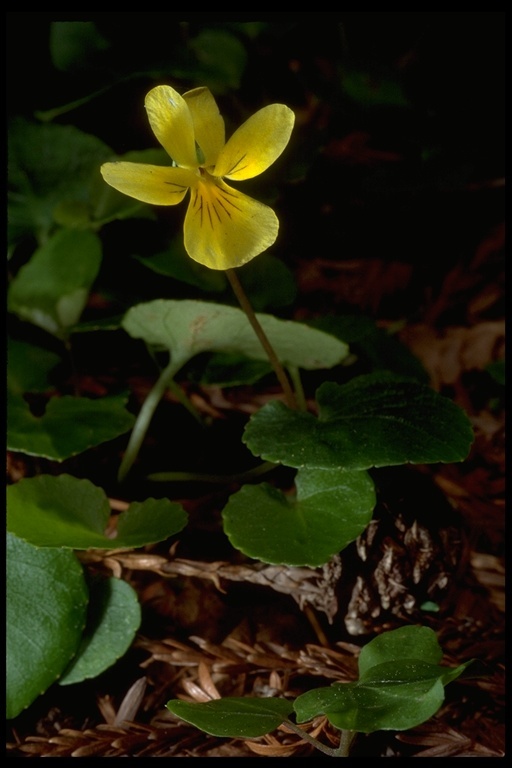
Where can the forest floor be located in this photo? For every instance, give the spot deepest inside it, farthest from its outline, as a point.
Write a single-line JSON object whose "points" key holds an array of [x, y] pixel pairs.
{"points": [[231, 627]]}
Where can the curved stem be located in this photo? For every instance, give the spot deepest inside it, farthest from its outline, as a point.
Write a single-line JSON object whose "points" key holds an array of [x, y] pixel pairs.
{"points": [[340, 751], [144, 418], [260, 333]]}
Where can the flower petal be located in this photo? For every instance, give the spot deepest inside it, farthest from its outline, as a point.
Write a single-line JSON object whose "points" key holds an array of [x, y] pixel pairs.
{"points": [[225, 228], [208, 123], [155, 184], [257, 143], [171, 122]]}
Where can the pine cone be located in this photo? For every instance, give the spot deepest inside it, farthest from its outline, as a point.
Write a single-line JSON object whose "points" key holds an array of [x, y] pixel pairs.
{"points": [[409, 555]]}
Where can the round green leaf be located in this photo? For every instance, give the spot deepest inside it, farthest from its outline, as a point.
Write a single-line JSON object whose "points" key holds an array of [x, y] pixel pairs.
{"points": [[114, 617], [374, 420], [65, 511], [46, 609], [234, 717], [187, 328], [330, 509]]}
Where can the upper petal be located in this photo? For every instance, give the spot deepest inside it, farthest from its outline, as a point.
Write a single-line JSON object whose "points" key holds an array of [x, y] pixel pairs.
{"points": [[257, 143], [172, 124], [208, 123], [225, 228], [153, 184]]}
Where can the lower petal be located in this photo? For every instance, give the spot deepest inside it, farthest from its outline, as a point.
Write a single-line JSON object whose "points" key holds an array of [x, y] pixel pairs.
{"points": [[225, 228], [154, 184]]}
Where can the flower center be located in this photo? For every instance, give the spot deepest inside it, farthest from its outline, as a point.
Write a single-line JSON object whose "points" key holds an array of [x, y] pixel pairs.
{"points": [[212, 202]]}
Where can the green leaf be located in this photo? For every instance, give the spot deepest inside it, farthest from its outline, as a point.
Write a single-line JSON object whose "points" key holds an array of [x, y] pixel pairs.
{"points": [[188, 328], [175, 263], [69, 426], [148, 521], [107, 204], [114, 618], [375, 346], [374, 420], [232, 369], [48, 165], [111, 323], [497, 370], [46, 609], [74, 45], [401, 684], [234, 717], [266, 280], [269, 283], [330, 509], [221, 58], [410, 642], [64, 511], [373, 88], [52, 289], [28, 366], [397, 696]]}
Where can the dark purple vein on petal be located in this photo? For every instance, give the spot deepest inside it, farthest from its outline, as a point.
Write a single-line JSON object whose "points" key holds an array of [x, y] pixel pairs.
{"points": [[216, 204], [235, 166]]}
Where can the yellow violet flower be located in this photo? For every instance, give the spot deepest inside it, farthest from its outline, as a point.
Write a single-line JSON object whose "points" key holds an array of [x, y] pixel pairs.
{"points": [[223, 227]]}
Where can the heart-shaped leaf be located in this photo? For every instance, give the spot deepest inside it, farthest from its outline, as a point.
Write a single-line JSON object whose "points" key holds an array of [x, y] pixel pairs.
{"points": [[69, 425], [46, 609], [398, 696], [114, 617], [187, 328], [233, 717], [374, 420], [330, 509], [51, 290], [64, 511], [401, 684]]}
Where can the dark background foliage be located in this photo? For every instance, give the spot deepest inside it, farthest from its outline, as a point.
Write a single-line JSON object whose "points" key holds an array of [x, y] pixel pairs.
{"points": [[400, 129]]}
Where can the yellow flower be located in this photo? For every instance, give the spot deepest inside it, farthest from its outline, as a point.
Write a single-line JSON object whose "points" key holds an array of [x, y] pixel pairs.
{"points": [[223, 227]]}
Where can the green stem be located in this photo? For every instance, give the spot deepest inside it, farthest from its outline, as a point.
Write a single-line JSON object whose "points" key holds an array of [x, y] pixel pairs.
{"points": [[346, 739], [340, 751], [298, 388], [260, 333], [185, 401], [144, 418], [241, 477]]}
